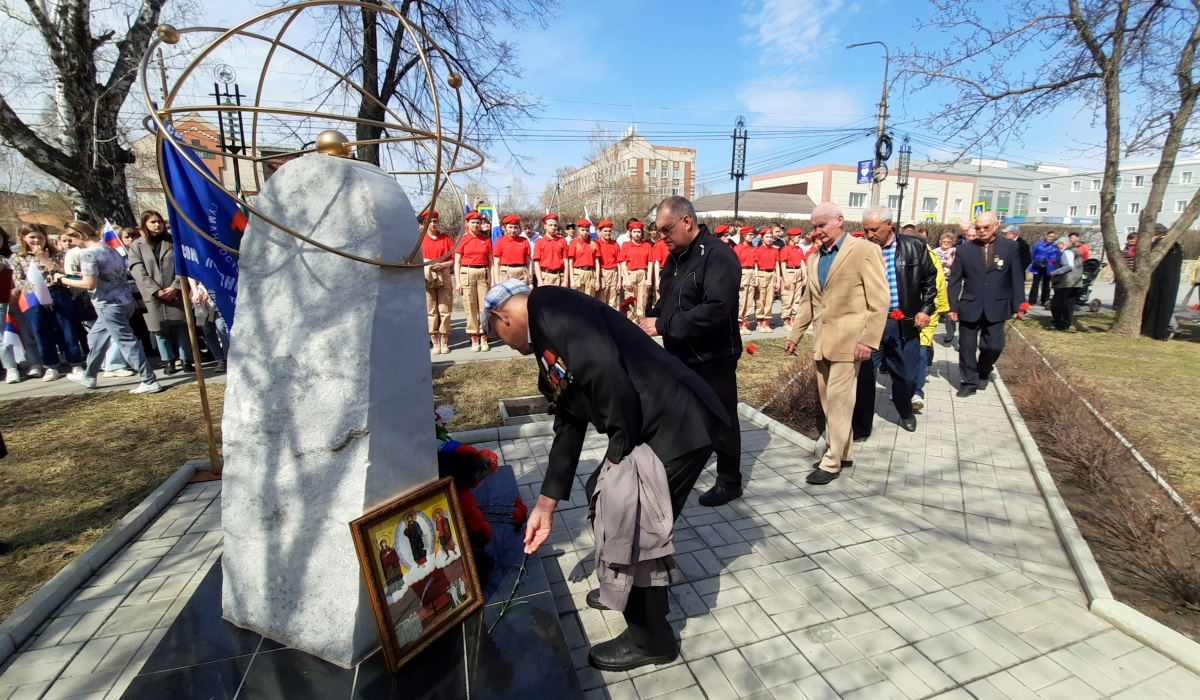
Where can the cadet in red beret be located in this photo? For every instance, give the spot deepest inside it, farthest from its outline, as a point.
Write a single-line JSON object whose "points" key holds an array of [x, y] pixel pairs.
{"points": [[747, 291], [439, 287], [511, 255], [635, 260], [609, 252], [766, 255], [794, 266], [550, 255], [583, 261], [473, 275]]}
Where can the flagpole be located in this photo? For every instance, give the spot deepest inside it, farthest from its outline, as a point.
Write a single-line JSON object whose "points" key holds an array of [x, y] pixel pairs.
{"points": [[213, 460]]}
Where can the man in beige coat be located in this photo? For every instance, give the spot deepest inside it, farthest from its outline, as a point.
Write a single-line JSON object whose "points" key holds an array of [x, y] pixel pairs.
{"points": [[846, 303]]}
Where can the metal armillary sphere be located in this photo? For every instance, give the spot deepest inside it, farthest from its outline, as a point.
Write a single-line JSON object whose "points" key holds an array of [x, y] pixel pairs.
{"points": [[445, 146]]}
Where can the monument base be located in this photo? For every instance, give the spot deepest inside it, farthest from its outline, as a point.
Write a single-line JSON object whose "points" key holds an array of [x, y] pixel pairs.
{"points": [[525, 656]]}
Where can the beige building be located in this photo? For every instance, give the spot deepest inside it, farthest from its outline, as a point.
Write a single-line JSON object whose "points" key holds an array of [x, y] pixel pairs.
{"points": [[629, 177], [945, 197]]}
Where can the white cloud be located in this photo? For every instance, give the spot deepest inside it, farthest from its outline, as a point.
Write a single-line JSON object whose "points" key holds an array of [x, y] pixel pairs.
{"points": [[777, 101], [790, 31]]}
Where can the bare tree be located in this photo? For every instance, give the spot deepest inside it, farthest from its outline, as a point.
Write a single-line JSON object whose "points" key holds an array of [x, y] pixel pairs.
{"points": [[90, 75], [1045, 54]]}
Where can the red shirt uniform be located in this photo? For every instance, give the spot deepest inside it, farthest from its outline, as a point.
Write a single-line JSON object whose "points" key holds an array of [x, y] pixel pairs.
{"points": [[511, 251], [792, 255], [636, 256], [581, 254], [767, 256], [661, 252], [434, 248], [610, 252], [550, 253], [475, 250], [745, 253]]}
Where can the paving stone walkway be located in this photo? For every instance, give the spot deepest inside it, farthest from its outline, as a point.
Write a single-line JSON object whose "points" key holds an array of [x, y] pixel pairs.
{"points": [[931, 570]]}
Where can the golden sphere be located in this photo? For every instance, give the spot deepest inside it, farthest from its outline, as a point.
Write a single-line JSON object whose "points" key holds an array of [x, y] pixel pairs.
{"points": [[455, 80], [168, 33], [333, 143]]}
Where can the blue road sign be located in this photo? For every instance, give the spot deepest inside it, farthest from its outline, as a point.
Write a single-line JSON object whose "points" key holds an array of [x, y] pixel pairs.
{"points": [[864, 171]]}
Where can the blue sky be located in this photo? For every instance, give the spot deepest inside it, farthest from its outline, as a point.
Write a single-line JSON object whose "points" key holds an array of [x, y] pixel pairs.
{"points": [[692, 67]]}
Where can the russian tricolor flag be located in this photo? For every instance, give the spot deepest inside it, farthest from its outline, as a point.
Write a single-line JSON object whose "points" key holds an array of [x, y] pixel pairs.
{"points": [[110, 238], [40, 296], [13, 338]]}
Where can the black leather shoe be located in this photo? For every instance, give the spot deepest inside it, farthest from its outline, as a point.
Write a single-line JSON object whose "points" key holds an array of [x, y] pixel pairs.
{"points": [[719, 496], [621, 654], [862, 438], [222, 365], [965, 391], [820, 477], [189, 367], [593, 600], [846, 464], [171, 368], [909, 424]]}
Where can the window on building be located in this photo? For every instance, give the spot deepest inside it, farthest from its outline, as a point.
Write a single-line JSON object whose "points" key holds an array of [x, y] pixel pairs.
{"points": [[958, 206], [1072, 211], [1118, 183], [1093, 209], [1042, 210], [893, 201], [1131, 229], [1043, 199], [662, 172], [1185, 177], [663, 191], [1095, 185], [1045, 185], [675, 190], [1180, 205], [1020, 204], [203, 156], [1003, 198], [650, 172], [1135, 207], [985, 196], [1076, 185], [858, 200], [929, 204], [675, 173], [1139, 180]]}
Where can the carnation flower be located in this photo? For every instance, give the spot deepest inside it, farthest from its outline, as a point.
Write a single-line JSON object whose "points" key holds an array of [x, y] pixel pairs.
{"points": [[443, 415], [1024, 306], [751, 348], [896, 315]]}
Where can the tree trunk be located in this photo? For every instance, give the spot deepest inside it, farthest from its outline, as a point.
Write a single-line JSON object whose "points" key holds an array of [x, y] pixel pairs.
{"points": [[1129, 316], [106, 195], [368, 108]]}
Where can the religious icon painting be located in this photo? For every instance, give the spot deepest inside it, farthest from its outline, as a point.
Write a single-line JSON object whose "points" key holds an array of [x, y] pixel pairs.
{"points": [[416, 560]]}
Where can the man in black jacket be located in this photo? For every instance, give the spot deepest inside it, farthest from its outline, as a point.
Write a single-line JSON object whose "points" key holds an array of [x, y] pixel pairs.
{"points": [[986, 288], [696, 315], [597, 368], [1013, 233], [912, 279]]}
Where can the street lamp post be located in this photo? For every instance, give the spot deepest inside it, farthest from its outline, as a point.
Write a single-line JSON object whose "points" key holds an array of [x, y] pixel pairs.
{"points": [[876, 175]]}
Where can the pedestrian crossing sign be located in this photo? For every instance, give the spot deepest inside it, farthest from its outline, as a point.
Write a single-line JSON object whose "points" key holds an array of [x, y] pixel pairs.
{"points": [[978, 208]]}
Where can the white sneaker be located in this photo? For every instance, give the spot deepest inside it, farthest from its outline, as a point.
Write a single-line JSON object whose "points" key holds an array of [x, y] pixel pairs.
{"points": [[50, 375], [77, 369], [82, 380], [119, 372], [147, 388], [12, 376], [483, 344], [918, 403], [34, 372]]}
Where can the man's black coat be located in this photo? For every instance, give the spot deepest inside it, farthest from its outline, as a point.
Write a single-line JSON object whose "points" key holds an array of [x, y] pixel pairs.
{"points": [[916, 280], [697, 308], [991, 291], [598, 367]]}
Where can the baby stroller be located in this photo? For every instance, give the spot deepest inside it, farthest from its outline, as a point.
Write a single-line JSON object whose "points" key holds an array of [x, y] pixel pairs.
{"points": [[1091, 269]]}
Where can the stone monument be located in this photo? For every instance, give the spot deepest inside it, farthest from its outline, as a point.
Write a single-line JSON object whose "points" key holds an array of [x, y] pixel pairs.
{"points": [[328, 411]]}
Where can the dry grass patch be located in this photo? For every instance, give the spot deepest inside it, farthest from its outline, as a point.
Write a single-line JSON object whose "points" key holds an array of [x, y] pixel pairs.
{"points": [[474, 389]]}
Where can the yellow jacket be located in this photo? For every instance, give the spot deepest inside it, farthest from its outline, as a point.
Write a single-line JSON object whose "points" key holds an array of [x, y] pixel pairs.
{"points": [[942, 303]]}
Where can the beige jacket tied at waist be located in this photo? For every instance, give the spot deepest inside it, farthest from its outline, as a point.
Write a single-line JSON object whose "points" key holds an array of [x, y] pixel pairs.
{"points": [[634, 526]]}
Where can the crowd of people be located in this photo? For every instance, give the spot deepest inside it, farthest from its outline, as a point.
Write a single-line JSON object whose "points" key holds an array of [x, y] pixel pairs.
{"points": [[83, 307]]}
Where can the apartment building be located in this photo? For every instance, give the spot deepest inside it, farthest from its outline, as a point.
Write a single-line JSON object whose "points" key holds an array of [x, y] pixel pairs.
{"points": [[630, 176]]}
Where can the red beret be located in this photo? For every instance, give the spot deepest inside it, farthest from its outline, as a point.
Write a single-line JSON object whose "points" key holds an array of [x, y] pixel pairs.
{"points": [[605, 224], [425, 214], [511, 219], [635, 224], [721, 229], [766, 229], [549, 216], [794, 232], [746, 229], [858, 234], [473, 215], [584, 223]]}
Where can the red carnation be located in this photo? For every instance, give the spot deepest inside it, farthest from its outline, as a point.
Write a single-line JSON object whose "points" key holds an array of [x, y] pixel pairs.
{"points": [[896, 315], [1024, 306], [751, 348], [627, 303], [520, 512]]}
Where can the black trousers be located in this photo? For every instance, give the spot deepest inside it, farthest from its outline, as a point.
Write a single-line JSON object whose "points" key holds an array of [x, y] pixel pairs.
{"points": [[979, 346], [721, 375], [864, 398], [1042, 278], [902, 357], [647, 608], [1062, 306]]}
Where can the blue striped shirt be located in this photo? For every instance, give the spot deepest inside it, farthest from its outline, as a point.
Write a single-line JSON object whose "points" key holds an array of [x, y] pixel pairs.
{"points": [[889, 267]]}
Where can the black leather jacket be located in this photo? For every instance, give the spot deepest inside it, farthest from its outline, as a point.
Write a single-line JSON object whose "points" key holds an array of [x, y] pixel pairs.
{"points": [[916, 280]]}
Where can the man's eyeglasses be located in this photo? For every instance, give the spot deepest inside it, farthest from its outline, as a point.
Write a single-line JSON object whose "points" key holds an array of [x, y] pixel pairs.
{"points": [[664, 230]]}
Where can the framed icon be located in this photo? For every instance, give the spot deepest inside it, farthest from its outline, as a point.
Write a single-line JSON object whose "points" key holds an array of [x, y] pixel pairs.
{"points": [[416, 559]]}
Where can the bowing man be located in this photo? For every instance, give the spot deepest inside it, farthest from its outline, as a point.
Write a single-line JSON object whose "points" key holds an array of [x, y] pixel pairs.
{"points": [[662, 421]]}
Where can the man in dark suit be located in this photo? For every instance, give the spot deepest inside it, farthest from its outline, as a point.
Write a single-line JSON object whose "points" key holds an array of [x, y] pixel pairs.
{"points": [[986, 287], [1013, 233], [598, 368]]}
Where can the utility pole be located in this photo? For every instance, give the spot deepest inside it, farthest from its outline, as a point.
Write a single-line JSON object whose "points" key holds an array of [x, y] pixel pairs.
{"points": [[877, 172], [737, 171]]}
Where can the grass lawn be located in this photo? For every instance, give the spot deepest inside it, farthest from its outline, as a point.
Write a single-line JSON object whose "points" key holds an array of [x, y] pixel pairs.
{"points": [[77, 464], [1148, 388]]}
